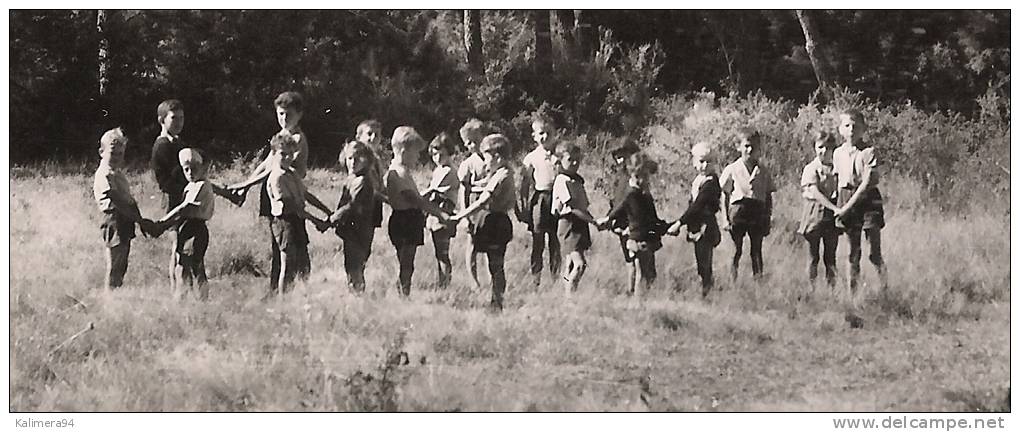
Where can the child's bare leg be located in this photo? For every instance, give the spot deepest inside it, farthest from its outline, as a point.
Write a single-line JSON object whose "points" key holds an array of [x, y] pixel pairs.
{"points": [[554, 253], [495, 259], [757, 259], [703, 257], [182, 276], [635, 275], [874, 236], [116, 266], [814, 241], [854, 237], [537, 249], [405, 260], [830, 240], [173, 260], [441, 241], [201, 280], [471, 258], [574, 270], [288, 268], [738, 249]]}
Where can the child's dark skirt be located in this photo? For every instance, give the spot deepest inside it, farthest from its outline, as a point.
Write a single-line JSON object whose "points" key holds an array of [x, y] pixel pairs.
{"points": [[116, 229], [493, 232], [574, 234], [867, 214], [192, 238], [289, 232], [407, 228]]}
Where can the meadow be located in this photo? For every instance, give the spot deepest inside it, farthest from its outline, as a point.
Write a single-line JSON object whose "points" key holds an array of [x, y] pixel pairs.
{"points": [[937, 340]]}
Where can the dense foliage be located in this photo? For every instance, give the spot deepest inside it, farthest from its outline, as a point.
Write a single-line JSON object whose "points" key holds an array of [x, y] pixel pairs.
{"points": [[933, 81]]}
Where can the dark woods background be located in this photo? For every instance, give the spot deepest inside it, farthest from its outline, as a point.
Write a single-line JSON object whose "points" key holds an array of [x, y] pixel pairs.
{"points": [[76, 73]]}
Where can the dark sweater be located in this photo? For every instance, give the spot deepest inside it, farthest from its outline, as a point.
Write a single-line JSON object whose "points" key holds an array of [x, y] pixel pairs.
{"points": [[638, 207], [167, 169], [701, 211]]}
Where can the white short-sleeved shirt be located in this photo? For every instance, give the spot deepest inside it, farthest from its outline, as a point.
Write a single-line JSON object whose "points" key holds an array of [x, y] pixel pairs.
{"points": [[106, 181], [398, 179], [852, 163], [543, 167], [472, 172], [821, 176], [741, 184], [568, 194], [200, 194], [286, 192]]}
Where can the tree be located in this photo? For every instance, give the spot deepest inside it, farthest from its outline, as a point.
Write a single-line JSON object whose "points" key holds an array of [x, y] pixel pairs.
{"points": [[104, 52], [816, 51], [543, 42], [473, 41]]}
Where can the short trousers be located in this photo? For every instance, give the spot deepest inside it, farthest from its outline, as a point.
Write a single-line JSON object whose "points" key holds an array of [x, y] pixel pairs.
{"points": [[749, 216], [289, 232], [574, 234], [407, 227], [540, 217], [192, 238], [116, 229], [493, 232], [867, 214]]}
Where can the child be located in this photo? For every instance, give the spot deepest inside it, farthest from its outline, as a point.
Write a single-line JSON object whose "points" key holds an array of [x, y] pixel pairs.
{"points": [[167, 170], [702, 228], [570, 204], [537, 177], [860, 201], [286, 195], [407, 222], [817, 222], [472, 175], [442, 192], [120, 210], [369, 132], [494, 230], [620, 188], [289, 110], [644, 228], [192, 239], [747, 187], [354, 213]]}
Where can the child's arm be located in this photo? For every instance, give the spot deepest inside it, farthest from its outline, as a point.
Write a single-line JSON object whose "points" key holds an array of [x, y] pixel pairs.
{"points": [[479, 203], [584, 215], [261, 172], [811, 192], [708, 191], [316, 202], [424, 204], [524, 197], [866, 179]]}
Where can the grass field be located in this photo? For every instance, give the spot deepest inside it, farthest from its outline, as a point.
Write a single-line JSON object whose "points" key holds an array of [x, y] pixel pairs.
{"points": [[938, 340]]}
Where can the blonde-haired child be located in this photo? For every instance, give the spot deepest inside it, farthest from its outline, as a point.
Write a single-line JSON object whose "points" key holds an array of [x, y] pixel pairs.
{"points": [[120, 210], [472, 174], [861, 205], [538, 173], [702, 227], [355, 212], [407, 222], [195, 209]]}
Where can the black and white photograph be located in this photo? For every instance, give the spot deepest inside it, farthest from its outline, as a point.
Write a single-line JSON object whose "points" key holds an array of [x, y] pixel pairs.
{"points": [[699, 212]]}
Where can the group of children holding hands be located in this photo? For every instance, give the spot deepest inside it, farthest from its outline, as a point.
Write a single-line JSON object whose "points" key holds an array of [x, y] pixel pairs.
{"points": [[839, 187]]}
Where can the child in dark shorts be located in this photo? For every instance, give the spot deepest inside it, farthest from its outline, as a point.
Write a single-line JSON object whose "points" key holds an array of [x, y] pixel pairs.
{"points": [[817, 222], [472, 175], [287, 194], [538, 172], [190, 216], [702, 228], [620, 187], [494, 229], [407, 221], [644, 228], [442, 191], [355, 212], [861, 204], [570, 204], [747, 187], [120, 210]]}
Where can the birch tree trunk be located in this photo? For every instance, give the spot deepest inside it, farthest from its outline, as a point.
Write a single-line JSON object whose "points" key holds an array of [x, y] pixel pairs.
{"points": [[816, 51], [473, 41]]}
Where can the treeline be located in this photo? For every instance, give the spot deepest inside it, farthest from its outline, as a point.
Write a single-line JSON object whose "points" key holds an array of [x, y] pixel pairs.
{"points": [[75, 73]]}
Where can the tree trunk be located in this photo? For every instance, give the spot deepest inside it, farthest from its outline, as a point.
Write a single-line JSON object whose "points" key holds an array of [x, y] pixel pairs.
{"points": [[104, 52], [565, 20], [543, 42], [582, 34], [816, 51], [473, 41]]}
